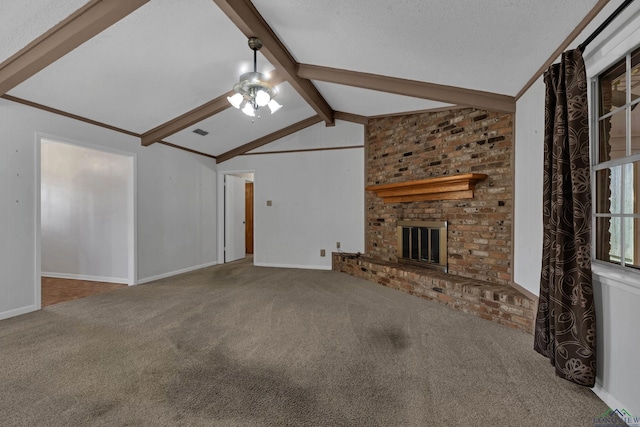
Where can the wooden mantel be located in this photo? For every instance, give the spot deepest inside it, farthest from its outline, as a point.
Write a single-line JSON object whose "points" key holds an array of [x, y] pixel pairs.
{"points": [[453, 187]]}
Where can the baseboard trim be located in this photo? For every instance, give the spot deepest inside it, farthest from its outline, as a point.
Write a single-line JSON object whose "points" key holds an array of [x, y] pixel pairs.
{"points": [[609, 400], [18, 311], [122, 280], [298, 266], [176, 272]]}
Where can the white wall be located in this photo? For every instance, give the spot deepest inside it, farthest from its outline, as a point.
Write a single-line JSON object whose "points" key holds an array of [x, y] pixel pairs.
{"points": [[318, 197], [618, 342], [176, 206], [84, 213], [529, 163], [176, 212], [617, 295]]}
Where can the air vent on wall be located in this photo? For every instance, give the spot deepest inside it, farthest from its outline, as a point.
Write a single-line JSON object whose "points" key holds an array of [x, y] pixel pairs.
{"points": [[201, 132]]}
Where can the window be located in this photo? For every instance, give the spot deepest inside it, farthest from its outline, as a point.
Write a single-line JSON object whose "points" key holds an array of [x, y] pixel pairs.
{"points": [[616, 159]]}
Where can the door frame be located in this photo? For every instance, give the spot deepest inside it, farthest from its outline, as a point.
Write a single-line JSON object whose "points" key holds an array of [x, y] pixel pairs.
{"points": [[132, 220], [220, 209]]}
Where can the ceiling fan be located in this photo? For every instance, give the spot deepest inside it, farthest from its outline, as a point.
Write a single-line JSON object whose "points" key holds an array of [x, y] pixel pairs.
{"points": [[254, 91]]}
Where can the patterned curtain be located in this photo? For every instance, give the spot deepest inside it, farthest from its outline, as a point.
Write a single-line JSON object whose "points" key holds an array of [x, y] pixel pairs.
{"points": [[565, 323]]}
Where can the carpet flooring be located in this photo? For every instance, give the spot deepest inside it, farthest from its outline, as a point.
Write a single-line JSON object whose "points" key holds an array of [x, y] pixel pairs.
{"points": [[238, 345]]}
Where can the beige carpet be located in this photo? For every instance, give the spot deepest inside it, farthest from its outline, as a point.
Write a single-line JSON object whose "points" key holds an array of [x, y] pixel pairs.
{"points": [[238, 345]]}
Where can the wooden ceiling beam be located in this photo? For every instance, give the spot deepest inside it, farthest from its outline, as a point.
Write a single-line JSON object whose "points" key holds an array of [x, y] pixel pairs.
{"points": [[69, 115], [96, 123], [187, 119], [77, 28], [353, 118], [248, 20], [179, 147], [413, 88], [268, 138], [565, 44], [412, 112], [194, 116]]}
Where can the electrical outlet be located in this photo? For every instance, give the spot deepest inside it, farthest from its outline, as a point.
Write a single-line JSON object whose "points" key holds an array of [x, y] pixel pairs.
{"points": [[322, 253], [338, 245], [269, 203]]}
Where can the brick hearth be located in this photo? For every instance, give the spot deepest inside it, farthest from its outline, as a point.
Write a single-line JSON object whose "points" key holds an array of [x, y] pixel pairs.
{"points": [[443, 144], [495, 302], [417, 147]]}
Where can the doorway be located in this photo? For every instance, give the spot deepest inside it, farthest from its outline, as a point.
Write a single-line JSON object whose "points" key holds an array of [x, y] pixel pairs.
{"points": [[86, 218], [236, 213]]}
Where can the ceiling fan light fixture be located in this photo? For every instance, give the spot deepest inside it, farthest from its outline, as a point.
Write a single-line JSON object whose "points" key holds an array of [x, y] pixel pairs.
{"points": [[274, 106], [235, 100], [262, 98], [254, 91], [249, 110]]}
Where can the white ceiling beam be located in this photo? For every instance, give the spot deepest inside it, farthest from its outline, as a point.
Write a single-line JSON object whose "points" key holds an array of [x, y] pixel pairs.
{"points": [[83, 24]]}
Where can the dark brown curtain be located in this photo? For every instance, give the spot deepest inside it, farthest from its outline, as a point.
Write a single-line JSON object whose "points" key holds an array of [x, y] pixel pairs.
{"points": [[565, 323]]}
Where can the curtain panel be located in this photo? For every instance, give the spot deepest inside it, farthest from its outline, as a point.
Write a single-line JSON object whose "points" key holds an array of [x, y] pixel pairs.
{"points": [[565, 329]]}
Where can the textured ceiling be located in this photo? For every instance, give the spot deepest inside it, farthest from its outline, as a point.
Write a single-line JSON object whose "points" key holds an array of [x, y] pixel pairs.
{"points": [[161, 61], [23, 21], [370, 102], [169, 57], [493, 46], [231, 128]]}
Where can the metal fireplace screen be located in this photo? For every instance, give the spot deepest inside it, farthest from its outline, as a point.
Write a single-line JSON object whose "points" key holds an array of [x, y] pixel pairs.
{"points": [[423, 243]]}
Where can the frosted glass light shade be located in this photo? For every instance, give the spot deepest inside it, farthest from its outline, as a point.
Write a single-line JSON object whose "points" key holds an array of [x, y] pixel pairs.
{"points": [[262, 98], [248, 110], [274, 106], [235, 100]]}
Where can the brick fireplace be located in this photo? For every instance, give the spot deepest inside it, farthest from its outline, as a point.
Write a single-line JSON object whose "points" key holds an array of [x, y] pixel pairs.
{"points": [[426, 147], [423, 243], [405, 148]]}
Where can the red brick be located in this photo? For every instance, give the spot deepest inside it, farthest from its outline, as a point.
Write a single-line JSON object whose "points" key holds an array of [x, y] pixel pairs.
{"points": [[463, 152], [490, 307]]}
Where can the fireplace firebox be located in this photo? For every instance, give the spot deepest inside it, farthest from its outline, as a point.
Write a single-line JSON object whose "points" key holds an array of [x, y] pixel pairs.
{"points": [[423, 243]]}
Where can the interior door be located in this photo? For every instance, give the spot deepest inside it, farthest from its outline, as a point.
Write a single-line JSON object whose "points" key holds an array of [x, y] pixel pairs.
{"points": [[234, 218], [248, 201]]}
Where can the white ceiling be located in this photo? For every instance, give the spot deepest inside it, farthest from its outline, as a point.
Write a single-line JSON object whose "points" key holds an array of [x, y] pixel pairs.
{"points": [[169, 57], [493, 46], [370, 102], [23, 21], [231, 128], [161, 61]]}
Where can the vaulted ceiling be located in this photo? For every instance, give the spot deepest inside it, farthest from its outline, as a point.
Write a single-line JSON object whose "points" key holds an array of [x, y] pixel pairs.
{"points": [[159, 69]]}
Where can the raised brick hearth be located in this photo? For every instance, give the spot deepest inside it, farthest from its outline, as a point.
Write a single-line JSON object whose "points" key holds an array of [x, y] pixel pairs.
{"points": [[426, 149], [443, 144], [499, 303]]}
